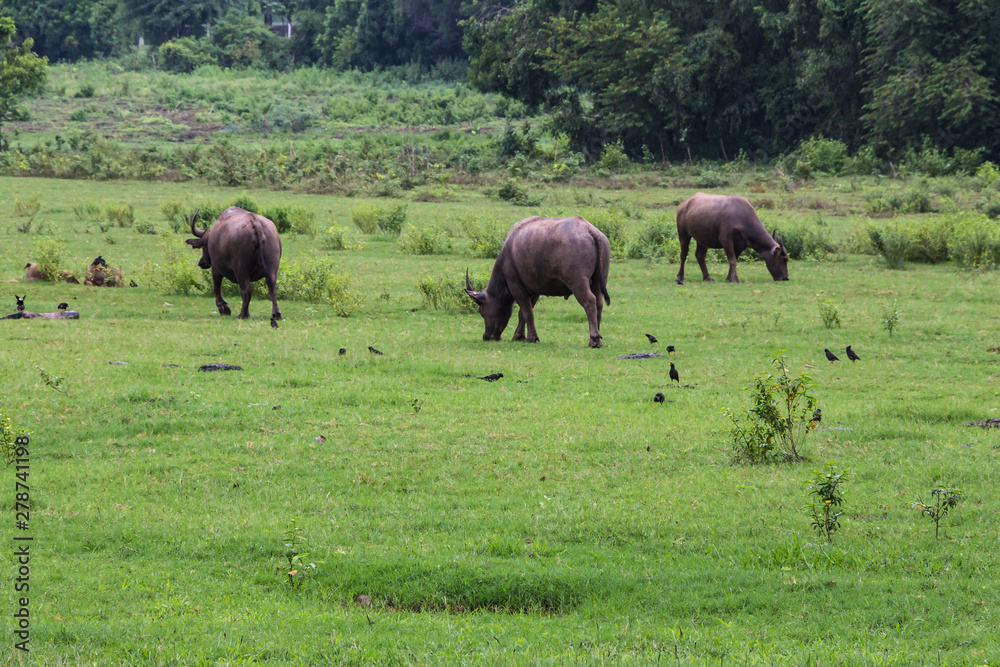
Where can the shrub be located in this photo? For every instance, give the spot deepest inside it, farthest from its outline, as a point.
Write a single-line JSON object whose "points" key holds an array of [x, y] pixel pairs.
{"points": [[391, 218], [177, 270], [808, 240], [829, 311], [176, 215], [987, 176], [88, 211], [779, 418], [656, 240], [320, 280], [365, 217], [120, 215], [613, 223], [245, 202], [145, 227], [447, 291], [613, 158], [822, 156], [975, 242], [892, 241], [512, 192], [929, 240], [27, 207], [50, 255], [486, 234], [425, 241], [340, 238], [183, 55], [825, 514], [911, 200]]}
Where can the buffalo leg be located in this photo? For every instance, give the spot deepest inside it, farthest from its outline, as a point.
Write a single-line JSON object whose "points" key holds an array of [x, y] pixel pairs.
{"points": [[272, 289], [220, 303], [591, 306], [246, 291], [526, 320], [685, 241], [699, 254], [731, 256]]}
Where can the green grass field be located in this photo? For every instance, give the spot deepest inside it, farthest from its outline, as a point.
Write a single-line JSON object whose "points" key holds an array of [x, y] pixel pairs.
{"points": [[557, 516]]}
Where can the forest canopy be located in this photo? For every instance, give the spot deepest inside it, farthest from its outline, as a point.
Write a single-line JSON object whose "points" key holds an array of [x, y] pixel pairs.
{"points": [[671, 79]]}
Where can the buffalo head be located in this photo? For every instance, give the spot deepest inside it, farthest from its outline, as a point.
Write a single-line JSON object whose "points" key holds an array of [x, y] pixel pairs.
{"points": [[494, 311], [776, 259], [201, 241]]}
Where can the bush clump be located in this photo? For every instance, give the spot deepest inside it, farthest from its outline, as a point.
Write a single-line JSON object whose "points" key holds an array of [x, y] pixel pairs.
{"points": [[656, 240], [807, 241], [447, 291], [50, 254], [486, 234], [975, 242], [425, 241], [120, 215], [340, 238]]}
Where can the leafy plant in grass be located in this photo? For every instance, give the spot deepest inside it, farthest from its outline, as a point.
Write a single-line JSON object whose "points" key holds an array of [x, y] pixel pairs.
{"points": [[975, 242], [779, 417], [892, 241], [943, 500], [656, 240], [88, 211], [340, 238], [827, 508], [320, 280], [365, 217], [299, 568], [50, 254], [511, 192], [447, 291], [120, 215], [176, 272], [53, 381], [890, 317], [614, 222], [27, 207], [391, 219], [829, 311], [425, 241], [486, 233], [177, 215], [145, 227], [10, 438]]}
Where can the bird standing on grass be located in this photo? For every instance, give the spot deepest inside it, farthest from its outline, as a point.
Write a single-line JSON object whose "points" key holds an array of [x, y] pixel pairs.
{"points": [[20, 302], [852, 355], [342, 351], [670, 349], [674, 375], [817, 416], [63, 306], [830, 356], [492, 377], [652, 339], [373, 350], [659, 398]]}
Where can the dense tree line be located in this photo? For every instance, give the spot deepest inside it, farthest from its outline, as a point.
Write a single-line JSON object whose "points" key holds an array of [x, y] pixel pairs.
{"points": [[669, 78]]}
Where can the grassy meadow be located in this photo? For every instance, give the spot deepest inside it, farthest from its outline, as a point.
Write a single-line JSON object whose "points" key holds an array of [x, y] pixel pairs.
{"points": [[556, 516]]}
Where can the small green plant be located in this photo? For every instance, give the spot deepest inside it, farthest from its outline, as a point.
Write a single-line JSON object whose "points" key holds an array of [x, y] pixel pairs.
{"points": [[391, 219], [120, 215], [416, 404], [779, 418], [829, 311], [27, 207], [944, 499], [145, 227], [486, 234], [425, 241], [50, 255], [88, 211], [340, 238], [447, 291], [365, 217], [512, 192], [827, 507], [299, 567], [177, 215], [10, 438], [890, 317], [53, 381]]}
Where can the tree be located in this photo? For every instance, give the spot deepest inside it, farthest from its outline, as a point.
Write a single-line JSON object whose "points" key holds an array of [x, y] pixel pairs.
{"points": [[21, 73]]}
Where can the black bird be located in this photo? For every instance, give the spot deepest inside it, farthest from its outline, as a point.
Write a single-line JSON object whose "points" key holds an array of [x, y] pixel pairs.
{"points": [[63, 306], [99, 261], [132, 283], [342, 351], [852, 355], [274, 323], [20, 302], [492, 377], [670, 349], [659, 398], [373, 350], [830, 355], [674, 375], [817, 416], [652, 339]]}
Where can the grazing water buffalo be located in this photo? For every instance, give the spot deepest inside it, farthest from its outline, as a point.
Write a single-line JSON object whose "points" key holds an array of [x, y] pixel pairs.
{"points": [[242, 247], [728, 222], [550, 257]]}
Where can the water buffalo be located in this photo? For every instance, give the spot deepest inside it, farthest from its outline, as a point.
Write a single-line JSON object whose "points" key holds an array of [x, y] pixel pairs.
{"points": [[551, 257], [728, 222], [242, 247]]}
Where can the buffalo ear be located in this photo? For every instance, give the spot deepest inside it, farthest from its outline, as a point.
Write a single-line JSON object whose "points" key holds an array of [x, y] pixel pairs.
{"points": [[478, 297], [196, 243]]}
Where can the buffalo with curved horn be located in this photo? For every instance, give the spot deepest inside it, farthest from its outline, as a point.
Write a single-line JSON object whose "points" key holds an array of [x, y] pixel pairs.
{"points": [[731, 223], [242, 247]]}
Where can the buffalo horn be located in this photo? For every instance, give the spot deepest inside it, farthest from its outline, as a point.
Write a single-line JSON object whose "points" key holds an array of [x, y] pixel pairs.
{"points": [[468, 284], [781, 240], [194, 230]]}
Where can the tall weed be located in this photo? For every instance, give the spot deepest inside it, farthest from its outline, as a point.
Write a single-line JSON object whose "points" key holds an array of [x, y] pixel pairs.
{"points": [[486, 233], [447, 291], [425, 241], [975, 242]]}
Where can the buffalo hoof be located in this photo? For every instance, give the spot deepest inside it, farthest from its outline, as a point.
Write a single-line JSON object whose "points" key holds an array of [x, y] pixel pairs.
{"points": [[595, 341], [224, 310], [276, 315], [680, 281], [709, 280]]}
